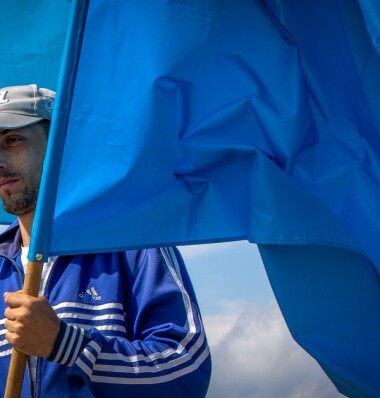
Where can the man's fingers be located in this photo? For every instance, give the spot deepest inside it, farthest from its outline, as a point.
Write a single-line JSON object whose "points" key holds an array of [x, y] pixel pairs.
{"points": [[9, 314], [17, 305], [11, 326], [15, 299], [12, 299]]}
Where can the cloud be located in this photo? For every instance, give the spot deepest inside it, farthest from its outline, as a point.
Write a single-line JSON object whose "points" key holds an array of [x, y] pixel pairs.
{"points": [[255, 357], [196, 251]]}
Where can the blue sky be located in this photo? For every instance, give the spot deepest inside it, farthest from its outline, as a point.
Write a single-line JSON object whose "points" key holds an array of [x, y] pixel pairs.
{"points": [[253, 353]]}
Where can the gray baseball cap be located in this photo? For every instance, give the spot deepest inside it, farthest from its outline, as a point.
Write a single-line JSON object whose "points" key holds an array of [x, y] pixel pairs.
{"points": [[21, 106]]}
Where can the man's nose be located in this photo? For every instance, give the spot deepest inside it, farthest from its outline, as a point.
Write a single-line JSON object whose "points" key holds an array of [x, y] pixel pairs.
{"points": [[3, 161]]}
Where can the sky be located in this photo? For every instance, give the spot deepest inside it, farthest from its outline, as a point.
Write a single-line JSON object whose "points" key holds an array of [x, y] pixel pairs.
{"points": [[252, 351]]}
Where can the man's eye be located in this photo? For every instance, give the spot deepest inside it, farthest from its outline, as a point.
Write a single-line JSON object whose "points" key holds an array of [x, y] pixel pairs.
{"points": [[14, 140]]}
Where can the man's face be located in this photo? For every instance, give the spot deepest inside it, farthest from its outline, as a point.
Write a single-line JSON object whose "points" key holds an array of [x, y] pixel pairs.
{"points": [[22, 152]]}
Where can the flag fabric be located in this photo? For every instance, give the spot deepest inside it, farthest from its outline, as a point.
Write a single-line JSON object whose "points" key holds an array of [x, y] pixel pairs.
{"points": [[32, 38], [195, 121], [33, 34], [180, 120]]}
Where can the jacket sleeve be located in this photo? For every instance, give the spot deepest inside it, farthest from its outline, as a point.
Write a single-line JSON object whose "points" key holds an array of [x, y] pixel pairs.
{"points": [[165, 352]]}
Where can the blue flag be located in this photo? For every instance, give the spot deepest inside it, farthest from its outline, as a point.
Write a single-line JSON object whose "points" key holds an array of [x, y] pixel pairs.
{"points": [[195, 121], [177, 122]]}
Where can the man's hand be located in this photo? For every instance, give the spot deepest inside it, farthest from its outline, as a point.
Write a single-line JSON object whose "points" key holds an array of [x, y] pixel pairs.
{"points": [[32, 324]]}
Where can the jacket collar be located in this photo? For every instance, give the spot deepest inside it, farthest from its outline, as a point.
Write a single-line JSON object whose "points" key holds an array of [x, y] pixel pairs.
{"points": [[10, 240]]}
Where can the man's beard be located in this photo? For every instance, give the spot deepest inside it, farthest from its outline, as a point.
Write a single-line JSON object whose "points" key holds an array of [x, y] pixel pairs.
{"points": [[22, 202]]}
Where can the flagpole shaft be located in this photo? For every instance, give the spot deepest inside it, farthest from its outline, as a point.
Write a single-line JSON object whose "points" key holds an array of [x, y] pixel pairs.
{"points": [[18, 359]]}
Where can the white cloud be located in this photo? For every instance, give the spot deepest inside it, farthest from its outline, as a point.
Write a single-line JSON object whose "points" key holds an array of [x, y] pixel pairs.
{"points": [[192, 251], [255, 357], [219, 326]]}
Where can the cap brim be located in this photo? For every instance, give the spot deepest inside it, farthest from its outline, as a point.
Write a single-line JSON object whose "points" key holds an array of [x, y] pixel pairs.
{"points": [[16, 121]]}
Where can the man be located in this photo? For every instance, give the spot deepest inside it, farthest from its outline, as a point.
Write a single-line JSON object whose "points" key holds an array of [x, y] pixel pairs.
{"points": [[117, 324]]}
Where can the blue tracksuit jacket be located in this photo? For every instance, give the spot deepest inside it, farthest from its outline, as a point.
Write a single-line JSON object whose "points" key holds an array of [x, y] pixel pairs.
{"points": [[130, 325]]}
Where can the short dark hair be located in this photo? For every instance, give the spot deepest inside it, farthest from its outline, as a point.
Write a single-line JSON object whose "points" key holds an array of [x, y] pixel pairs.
{"points": [[45, 124]]}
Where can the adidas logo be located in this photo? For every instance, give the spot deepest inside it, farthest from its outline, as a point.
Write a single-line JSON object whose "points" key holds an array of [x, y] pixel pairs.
{"points": [[93, 293]]}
